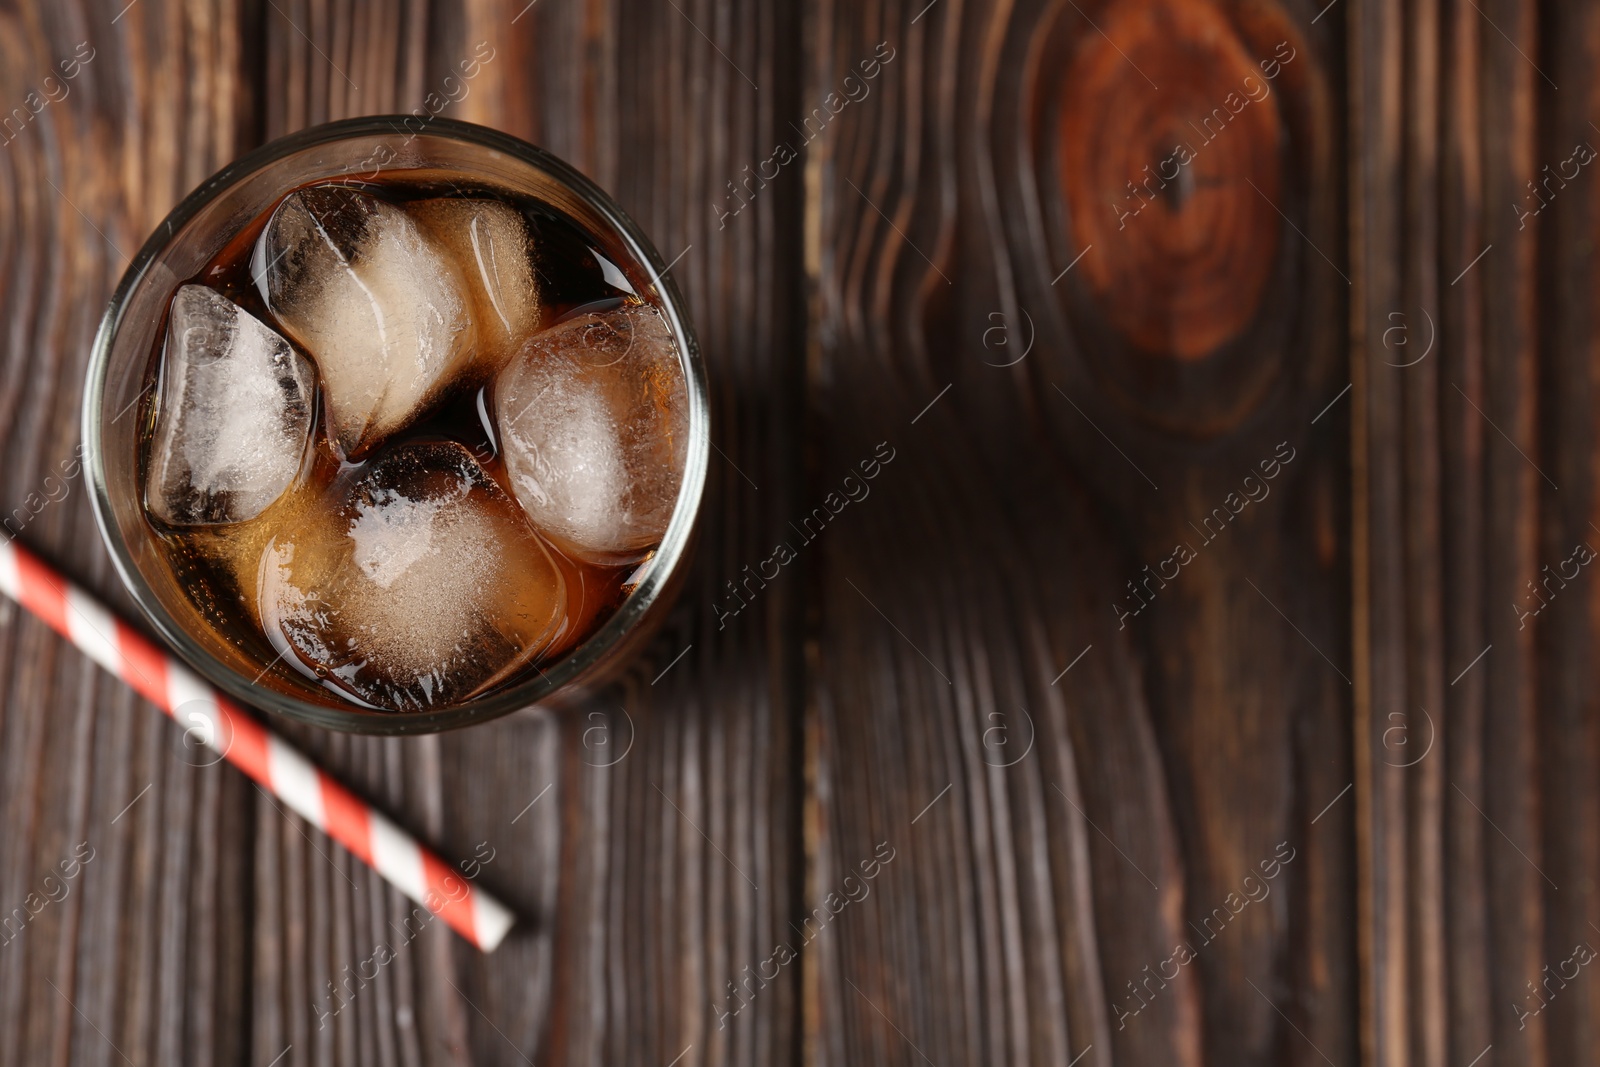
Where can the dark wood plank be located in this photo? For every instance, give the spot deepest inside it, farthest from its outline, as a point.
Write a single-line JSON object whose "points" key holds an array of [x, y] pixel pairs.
{"points": [[955, 784], [1480, 857], [145, 953], [1189, 340], [213, 926], [1565, 744], [345, 970], [663, 858]]}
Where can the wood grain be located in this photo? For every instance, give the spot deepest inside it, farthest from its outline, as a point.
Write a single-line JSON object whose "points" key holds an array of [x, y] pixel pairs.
{"points": [[212, 926], [1479, 852], [145, 952], [1131, 547], [1208, 720]]}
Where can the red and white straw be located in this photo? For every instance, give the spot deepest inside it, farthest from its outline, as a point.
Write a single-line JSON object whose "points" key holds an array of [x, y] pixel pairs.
{"points": [[242, 739]]}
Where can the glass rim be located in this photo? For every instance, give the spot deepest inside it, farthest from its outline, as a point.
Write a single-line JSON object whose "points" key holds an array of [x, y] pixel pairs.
{"points": [[353, 718]]}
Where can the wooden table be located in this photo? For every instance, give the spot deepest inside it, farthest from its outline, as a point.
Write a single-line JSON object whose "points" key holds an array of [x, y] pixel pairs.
{"points": [[1173, 695]]}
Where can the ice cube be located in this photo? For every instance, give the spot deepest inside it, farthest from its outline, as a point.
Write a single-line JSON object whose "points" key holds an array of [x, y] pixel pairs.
{"points": [[423, 585], [382, 310], [491, 246], [233, 417], [593, 422]]}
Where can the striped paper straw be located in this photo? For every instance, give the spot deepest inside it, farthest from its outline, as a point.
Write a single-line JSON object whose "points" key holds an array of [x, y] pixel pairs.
{"points": [[242, 739]]}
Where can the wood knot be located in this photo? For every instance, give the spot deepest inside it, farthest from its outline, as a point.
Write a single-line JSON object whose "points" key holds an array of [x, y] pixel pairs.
{"points": [[1170, 161]]}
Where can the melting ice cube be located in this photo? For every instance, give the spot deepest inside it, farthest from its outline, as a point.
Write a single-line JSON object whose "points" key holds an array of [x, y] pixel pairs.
{"points": [[425, 586], [380, 307], [593, 420], [490, 243], [233, 417]]}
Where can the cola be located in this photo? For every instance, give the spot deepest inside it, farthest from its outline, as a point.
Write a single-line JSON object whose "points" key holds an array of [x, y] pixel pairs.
{"points": [[411, 440]]}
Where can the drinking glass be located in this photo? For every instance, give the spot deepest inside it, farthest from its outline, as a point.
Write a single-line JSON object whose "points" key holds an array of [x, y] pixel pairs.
{"points": [[193, 234]]}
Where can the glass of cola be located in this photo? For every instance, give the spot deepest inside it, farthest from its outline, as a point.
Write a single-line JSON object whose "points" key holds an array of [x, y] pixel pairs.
{"points": [[394, 430]]}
